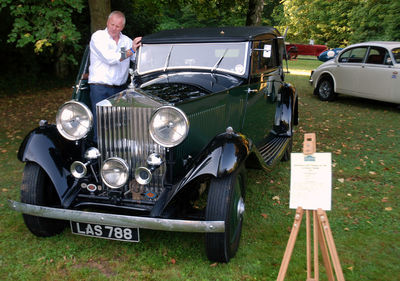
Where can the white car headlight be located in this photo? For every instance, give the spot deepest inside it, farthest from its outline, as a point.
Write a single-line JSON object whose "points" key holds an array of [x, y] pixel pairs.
{"points": [[169, 126], [74, 120], [115, 172]]}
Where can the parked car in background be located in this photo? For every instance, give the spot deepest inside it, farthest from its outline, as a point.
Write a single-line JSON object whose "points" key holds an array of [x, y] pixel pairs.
{"points": [[293, 50], [369, 70], [329, 54], [172, 150]]}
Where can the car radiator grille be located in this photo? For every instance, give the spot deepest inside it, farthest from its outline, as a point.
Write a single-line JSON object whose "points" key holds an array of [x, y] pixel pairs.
{"points": [[124, 132]]}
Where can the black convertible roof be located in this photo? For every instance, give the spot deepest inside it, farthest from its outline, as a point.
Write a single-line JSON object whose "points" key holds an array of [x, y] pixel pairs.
{"points": [[210, 34]]}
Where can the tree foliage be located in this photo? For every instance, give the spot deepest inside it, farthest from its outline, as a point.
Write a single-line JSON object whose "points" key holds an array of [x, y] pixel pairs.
{"points": [[375, 20], [45, 25], [56, 30], [340, 22]]}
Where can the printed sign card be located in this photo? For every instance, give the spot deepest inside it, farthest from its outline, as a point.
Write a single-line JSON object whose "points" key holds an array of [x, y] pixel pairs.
{"points": [[311, 181]]}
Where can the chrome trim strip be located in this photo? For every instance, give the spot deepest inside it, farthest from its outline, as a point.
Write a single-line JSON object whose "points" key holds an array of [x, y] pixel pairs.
{"points": [[119, 220]]}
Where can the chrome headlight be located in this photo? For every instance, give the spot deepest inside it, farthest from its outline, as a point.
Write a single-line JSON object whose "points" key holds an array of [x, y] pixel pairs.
{"points": [[169, 126], [115, 172], [74, 120]]}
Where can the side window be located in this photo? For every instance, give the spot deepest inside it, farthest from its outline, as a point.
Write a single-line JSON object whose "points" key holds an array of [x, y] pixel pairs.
{"points": [[264, 56], [377, 55], [355, 55], [396, 54]]}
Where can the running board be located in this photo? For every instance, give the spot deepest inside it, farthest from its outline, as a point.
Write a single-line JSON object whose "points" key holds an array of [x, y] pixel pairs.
{"points": [[273, 149]]}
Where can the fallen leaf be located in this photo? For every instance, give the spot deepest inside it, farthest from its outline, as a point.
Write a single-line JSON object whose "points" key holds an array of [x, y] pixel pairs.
{"points": [[264, 216], [385, 199], [388, 208], [173, 261], [372, 173], [350, 268], [349, 194], [276, 198], [346, 228], [214, 264], [357, 168], [341, 180]]}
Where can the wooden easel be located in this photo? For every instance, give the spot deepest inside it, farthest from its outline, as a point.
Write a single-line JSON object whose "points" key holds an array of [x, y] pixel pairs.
{"points": [[322, 235]]}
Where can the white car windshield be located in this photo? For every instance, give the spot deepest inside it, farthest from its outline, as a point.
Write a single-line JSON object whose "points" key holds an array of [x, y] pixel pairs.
{"points": [[228, 57]]}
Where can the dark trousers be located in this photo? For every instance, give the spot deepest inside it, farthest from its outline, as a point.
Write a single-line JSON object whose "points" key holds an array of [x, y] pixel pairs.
{"points": [[97, 94]]}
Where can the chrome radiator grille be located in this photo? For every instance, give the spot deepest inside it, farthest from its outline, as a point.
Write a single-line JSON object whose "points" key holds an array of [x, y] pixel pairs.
{"points": [[124, 132]]}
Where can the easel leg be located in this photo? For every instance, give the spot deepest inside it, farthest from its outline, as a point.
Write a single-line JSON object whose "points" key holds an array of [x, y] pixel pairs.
{"points": [[308, 233], [315, 248], [316, 257], [292, 240], [323, 218], [324, 250]]}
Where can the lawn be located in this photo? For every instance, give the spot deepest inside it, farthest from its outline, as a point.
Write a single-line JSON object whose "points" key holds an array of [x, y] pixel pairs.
{"points": [[363, 137]]}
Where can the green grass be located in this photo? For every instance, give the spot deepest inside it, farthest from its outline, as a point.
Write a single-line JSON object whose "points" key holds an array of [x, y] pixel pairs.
{"points": [[363, 138]]}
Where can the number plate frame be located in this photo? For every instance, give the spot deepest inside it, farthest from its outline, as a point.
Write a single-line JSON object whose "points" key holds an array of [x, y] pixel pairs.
{"points": [[126, 234]]}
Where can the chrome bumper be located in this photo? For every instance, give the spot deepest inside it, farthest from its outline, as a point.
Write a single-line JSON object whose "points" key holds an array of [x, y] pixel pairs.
{"points": [[119, 220]]}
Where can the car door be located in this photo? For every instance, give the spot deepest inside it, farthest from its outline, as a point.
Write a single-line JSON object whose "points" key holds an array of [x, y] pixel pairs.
{"points": [[347, 71], [376, 75], [262, 92]]}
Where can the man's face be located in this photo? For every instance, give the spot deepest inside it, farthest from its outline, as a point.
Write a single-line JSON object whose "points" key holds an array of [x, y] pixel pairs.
{"points": [[115, 24]]}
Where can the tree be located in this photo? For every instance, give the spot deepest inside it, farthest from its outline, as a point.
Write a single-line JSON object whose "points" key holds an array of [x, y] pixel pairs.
{"points": [[254, 12], [48, 26], [99, 11], [375, 20]]}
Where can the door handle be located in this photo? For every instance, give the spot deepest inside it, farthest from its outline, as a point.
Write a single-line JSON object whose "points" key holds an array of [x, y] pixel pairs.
{"points": [[249, 91]]}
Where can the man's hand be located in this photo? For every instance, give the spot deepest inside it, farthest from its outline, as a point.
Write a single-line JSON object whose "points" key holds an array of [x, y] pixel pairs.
{"points": [[136, 43]]}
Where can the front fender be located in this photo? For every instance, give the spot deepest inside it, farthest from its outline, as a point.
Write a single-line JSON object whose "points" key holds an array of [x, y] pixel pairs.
{"points": [[46, 147], [222, 156]]}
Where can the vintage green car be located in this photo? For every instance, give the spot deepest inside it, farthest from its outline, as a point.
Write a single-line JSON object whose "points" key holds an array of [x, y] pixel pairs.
{"points": [[172, 149]]}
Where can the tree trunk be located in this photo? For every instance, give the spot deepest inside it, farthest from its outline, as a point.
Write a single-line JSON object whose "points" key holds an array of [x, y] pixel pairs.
{"points": [[254, 12], [99, 11]]}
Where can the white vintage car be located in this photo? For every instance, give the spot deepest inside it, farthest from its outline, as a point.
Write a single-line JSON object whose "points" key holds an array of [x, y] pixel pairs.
{"points": [[368, 70]]}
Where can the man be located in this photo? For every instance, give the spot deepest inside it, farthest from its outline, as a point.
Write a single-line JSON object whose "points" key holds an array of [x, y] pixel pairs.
{"points": [[110, 55]]}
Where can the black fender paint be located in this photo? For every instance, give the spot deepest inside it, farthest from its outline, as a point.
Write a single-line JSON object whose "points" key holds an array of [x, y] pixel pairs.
{"points": [[47, 148], [286, 111], [224, 155]]}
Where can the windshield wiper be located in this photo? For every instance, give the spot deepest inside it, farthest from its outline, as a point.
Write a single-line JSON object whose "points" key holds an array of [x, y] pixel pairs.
{"points": [[167, 59], [219, 61]]}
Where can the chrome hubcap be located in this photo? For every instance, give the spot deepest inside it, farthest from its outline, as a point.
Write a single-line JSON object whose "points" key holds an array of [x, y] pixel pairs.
{"points": [[240, 208]]}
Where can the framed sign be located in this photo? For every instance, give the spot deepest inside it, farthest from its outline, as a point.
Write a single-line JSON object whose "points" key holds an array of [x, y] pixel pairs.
{"points": [[311, 181]]}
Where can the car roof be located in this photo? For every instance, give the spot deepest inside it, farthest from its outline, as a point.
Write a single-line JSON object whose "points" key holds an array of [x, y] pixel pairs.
{"points": [[211, 34], [385, 44]]}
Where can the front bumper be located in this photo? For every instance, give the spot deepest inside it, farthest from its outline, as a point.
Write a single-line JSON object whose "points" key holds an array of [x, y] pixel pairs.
{"points": [[119, 220]]}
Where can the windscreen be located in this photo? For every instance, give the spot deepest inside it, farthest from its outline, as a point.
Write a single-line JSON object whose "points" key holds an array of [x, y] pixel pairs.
{"points": [[228, 57]]}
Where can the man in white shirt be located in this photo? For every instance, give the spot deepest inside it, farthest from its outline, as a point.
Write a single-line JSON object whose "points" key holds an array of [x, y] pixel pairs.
{"points": [[110, 55]]}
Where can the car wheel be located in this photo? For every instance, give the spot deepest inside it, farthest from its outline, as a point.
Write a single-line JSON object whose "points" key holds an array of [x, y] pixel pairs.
{"points": [[325, 89], [37, 189], [225, 202]]}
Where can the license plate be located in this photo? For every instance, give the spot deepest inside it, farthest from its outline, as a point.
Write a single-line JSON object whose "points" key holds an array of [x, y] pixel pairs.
{"points": [[105, 231]]}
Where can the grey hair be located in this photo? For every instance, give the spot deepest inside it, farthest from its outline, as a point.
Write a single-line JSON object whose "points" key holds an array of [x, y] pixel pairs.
{"points": [[119, 14]]}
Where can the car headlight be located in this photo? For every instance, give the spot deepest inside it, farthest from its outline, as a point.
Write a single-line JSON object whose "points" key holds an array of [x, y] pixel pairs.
{"points": [[169, 126], [114, 172], [74, 120]]}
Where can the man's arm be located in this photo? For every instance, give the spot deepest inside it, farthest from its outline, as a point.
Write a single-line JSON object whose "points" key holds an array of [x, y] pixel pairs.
{"points": [[98, 45]]}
